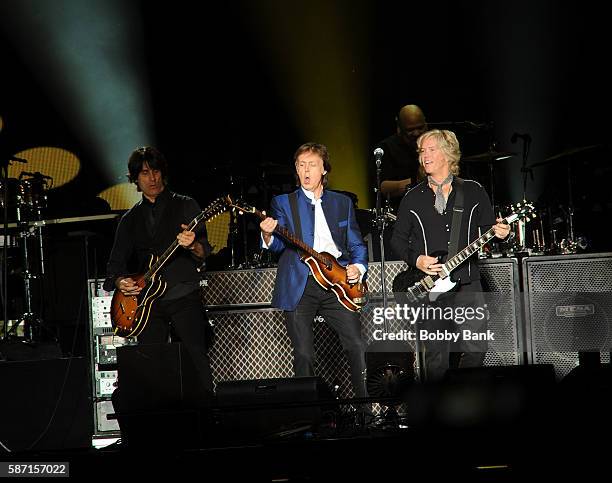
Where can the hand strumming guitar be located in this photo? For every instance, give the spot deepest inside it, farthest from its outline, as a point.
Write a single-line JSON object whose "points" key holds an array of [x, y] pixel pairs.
{"points": [[127, 286]]}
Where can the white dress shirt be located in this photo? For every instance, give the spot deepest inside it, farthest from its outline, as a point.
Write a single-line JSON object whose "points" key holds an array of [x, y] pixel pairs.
{"points": [[323, 241]]}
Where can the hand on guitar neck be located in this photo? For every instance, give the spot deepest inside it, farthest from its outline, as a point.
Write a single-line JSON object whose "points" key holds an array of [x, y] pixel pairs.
{"points": [[268, 225]]}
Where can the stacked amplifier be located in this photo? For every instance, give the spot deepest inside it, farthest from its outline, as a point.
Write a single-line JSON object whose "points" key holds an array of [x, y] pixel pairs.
{"points": [[103, 353]]}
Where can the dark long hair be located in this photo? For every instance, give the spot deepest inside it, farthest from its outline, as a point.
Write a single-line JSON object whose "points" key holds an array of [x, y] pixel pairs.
{"points": [[150, 155]]}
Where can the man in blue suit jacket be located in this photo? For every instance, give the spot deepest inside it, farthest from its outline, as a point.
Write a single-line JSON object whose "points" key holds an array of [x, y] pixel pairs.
{"points": [[328, 224]]}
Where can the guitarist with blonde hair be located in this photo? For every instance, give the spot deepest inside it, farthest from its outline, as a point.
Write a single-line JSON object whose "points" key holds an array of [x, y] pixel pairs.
{"points": [[324, 220], [423, 230]]}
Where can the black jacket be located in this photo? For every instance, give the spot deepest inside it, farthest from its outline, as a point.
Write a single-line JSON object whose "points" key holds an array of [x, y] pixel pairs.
{"points": [[421, 230]]}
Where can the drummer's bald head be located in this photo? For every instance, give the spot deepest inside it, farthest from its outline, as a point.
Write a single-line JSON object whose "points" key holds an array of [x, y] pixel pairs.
{"points": [[411, 122]]}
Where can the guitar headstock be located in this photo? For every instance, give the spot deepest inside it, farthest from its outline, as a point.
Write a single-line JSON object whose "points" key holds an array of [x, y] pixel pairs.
{"points": [[214, 209], [240, 206], [521, 211]]}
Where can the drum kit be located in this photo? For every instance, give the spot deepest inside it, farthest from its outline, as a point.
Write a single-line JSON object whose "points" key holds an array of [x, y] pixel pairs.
{"points": [[23, 201], [235, 238], [551, 231]]}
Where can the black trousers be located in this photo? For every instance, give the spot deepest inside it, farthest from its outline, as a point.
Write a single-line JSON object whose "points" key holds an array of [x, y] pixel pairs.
{"points": [[439, 356], [317, 301], [184, 318]]}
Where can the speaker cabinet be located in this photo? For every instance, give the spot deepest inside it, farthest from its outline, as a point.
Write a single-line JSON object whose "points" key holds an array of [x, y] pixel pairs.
{"points": [[500, 278], [45, 405], [568, 308], [265, 407], [253, 344]]}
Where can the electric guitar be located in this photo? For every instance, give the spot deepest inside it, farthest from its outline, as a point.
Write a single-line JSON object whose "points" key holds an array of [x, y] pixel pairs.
{"points": [[130, 313], [328, 273], [416, 287]]}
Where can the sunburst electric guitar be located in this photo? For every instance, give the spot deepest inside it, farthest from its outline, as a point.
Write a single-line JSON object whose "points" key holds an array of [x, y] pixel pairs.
{"points": [[130, 313]]}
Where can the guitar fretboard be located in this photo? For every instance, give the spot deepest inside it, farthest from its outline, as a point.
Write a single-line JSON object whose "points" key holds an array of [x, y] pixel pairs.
{"points": [[290, 237], [213, 210], [468, 251]]}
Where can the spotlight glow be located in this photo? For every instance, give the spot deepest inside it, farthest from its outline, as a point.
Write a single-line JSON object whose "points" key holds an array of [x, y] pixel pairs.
{"points": [[87, 55], [121, 196], [60, 164]]}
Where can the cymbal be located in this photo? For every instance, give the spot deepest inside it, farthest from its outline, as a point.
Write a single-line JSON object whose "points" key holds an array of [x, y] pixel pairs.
{"points": [[488, 157], [568, 153]]}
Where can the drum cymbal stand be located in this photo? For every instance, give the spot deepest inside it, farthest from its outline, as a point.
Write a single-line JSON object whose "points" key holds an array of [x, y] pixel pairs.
{"points": [[32, 279], [4, 163]]}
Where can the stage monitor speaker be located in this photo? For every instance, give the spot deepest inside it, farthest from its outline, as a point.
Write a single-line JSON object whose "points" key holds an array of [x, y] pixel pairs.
{"points": [[161, 401], [487, 397], [45, 405], [268, 407], [158, 377], [568, 308]]}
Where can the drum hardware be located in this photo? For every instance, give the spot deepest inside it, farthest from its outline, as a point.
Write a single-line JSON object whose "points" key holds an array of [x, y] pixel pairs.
{"points": [[572, 243], [387, 213], [490, 157]]}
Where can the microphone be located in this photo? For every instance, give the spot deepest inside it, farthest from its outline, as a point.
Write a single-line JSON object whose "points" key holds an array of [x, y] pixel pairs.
{"points": [[19, 160], [378, 154], [524, 137]]}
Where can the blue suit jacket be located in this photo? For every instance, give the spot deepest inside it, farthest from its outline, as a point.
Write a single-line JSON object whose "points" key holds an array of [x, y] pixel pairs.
{"points": [[292, 273]]}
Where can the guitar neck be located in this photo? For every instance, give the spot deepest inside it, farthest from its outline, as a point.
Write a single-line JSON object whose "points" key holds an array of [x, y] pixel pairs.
{"points": [[161, 261], [468, 251], [291, 238]]}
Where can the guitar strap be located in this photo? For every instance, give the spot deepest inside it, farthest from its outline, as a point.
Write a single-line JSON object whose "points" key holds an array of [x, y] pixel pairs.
{"points": [[457, 216], [295, 213]]}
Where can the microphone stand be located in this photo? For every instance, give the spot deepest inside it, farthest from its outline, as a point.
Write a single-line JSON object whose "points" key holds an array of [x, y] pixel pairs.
{"points": [[4, 280], [524, 169], [381, 223], [522, 238]]}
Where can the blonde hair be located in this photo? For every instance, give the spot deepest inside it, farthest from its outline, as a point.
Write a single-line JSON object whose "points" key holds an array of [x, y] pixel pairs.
{"points": [[448, 143]]}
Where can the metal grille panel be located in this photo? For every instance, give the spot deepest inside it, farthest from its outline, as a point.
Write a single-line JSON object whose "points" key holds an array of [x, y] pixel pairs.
{"points": [[239, 287], [253, 344], [552, 281], [254, 287], [500, 276]]}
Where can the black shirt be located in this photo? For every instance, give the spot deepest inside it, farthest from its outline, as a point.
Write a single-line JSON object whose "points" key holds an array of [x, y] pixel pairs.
{"points": [[150, 228], [421, 230], [399, 162]]}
